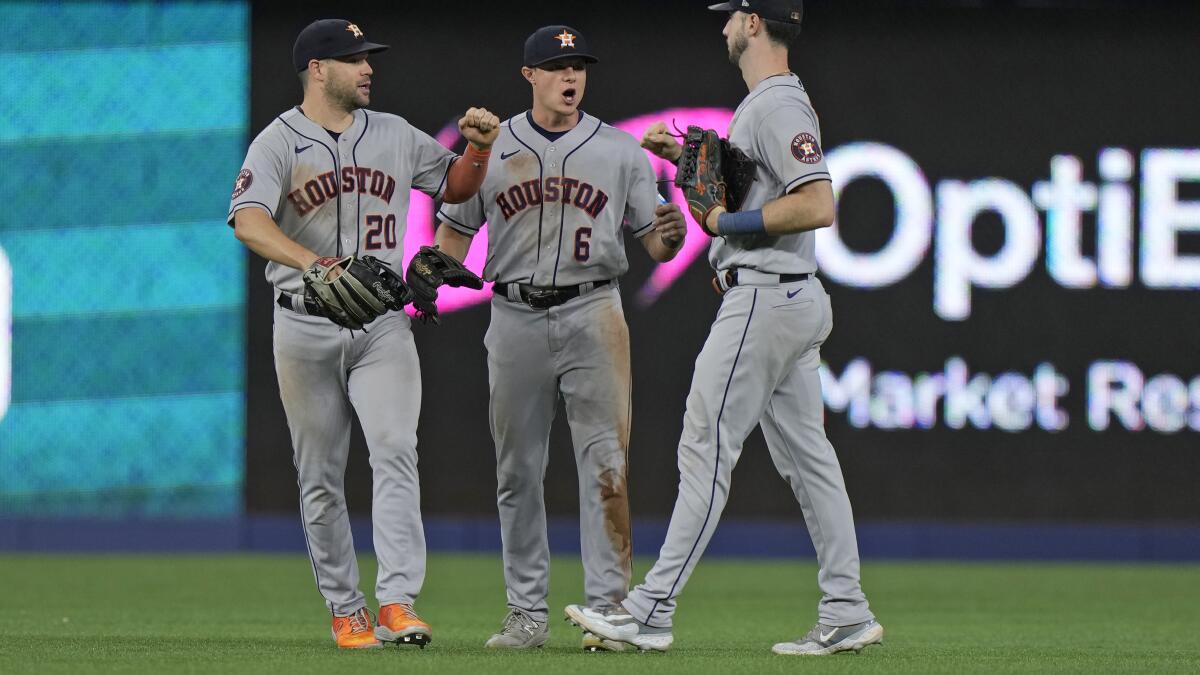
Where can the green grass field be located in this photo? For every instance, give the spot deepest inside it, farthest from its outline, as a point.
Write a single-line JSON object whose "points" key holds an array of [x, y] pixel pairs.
{"points": [[262, 614]]}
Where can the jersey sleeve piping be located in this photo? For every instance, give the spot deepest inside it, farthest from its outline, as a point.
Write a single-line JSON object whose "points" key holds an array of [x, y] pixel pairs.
{"points": [[248, 203], [457, 225], [643, 230], [437, 194], [807, 178]]}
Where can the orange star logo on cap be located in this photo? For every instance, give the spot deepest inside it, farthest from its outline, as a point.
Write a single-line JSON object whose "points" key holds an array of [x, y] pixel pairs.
{"points": [[353, 28], [567, 39]]}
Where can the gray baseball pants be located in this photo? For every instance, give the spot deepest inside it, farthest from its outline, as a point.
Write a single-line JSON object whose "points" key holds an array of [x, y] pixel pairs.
{"points": [[326, 375], [759, 365], [579, 349]]}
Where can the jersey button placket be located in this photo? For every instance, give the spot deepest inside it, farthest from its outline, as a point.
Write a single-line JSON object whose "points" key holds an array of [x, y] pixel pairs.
{"points": [[551, 213]]}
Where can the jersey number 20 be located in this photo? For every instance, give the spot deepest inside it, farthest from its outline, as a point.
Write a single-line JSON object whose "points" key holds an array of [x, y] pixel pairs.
{"points": [[5, 333], [381, 232]]}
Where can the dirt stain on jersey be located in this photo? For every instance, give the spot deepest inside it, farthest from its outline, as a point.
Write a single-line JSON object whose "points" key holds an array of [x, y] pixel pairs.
{"points": [[614, 501], [522, 166], [616, 337], [614, 486]]}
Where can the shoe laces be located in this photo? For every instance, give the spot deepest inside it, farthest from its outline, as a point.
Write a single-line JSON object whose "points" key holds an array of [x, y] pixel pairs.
{"points": [[517, 620], [407, 611], [360, 621]]}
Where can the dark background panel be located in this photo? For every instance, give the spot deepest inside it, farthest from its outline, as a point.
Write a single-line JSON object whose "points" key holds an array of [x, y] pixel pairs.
{"points": [[995, 89]]}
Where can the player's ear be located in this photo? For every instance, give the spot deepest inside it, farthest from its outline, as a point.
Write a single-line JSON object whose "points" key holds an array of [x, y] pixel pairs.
{"points": [[317, 70], [754, 25], [527, 73]]}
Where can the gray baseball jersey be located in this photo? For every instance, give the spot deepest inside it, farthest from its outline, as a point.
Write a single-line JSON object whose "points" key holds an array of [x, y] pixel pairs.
{"points": [[555, 209], [776, 126], [555, 212], [344, 196], [336, 197], [759, 366]]}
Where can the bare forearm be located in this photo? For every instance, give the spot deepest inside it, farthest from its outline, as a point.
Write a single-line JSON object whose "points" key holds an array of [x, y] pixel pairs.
{"points": [[660, 250], [255, 228], [466, 175], [452, 242], [808, 207]]}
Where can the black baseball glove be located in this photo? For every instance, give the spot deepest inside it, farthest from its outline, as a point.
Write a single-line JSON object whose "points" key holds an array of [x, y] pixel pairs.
{"points": [[712, 173], [366, 289], [430, 268]]}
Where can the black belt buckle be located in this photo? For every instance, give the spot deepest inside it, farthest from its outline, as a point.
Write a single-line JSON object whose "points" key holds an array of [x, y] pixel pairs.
{"points": [[543, 298]]}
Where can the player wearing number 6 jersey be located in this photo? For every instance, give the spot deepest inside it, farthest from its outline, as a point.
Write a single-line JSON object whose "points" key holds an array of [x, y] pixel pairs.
{"points": [[555, 201], [330, 178]]}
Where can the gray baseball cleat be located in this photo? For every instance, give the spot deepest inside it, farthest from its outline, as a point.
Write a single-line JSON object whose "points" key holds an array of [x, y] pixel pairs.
{"points": [[619, 626], [823, 640], [520, 631]]}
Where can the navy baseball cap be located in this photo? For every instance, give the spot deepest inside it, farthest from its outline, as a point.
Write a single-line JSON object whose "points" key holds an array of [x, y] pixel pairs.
{"points": [[551, 43], [330, 39], [788, 11]]}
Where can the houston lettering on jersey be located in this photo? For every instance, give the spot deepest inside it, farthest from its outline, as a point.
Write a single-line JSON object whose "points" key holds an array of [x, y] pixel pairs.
{"points": [[565, 190], [354, 178]]}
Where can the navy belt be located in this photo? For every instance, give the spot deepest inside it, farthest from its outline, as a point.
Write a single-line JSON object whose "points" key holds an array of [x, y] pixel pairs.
{"points": [[727, 279], [545, 297]]}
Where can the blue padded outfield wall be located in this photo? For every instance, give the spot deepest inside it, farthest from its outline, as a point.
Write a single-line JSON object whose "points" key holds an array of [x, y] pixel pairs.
{"points": [[122, 382]]}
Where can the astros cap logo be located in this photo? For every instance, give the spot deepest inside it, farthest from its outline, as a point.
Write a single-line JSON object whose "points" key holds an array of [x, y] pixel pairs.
{"points": [[353, 28], [567, 39]]}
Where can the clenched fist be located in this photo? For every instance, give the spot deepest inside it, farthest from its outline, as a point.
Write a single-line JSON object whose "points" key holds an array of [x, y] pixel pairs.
{"points": [[480, 127], [659, 141], [671, 226]]}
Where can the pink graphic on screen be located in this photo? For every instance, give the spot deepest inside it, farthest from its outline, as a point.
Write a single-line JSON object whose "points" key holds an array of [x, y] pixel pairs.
{"points": [[421, 214]]}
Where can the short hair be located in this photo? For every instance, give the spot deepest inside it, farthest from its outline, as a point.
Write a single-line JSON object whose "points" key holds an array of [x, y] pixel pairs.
{"points": [[782, 33]]}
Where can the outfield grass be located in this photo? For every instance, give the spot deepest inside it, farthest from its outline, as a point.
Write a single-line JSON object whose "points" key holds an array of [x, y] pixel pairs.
{"points": [[262, 614]]}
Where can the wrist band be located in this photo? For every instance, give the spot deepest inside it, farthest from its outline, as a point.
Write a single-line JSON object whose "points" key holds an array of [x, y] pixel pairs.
{"points": [[476, 156], [742, 222]]}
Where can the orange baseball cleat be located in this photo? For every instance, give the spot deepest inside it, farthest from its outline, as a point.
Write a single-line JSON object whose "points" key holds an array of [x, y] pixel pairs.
{"points": [[355, 631], [398, 623]]}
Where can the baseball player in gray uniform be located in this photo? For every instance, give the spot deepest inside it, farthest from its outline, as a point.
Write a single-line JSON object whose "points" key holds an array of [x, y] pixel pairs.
{"points": [[327, 178], [555, 203], [760, 362]]}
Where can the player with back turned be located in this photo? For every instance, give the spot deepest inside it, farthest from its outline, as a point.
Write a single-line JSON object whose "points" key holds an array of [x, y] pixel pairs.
{"points": [[556, 201], [759, 365], [331, 178]]}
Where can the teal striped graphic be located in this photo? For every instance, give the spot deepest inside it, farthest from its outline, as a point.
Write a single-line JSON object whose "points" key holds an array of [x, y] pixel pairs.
{"points": [[120, 140], [86, 445], [125, 91], [43, 26], [145, 354], [155, 268], [182, 177]]}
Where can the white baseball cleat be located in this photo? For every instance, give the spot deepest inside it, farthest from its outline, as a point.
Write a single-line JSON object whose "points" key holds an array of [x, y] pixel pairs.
{"points": [[595, 643], [823, 640], [617, 625]]}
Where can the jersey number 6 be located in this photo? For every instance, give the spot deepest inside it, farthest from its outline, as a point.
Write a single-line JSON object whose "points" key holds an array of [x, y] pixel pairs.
{"points": [[378, 226], [5, 333], [583, 247]]}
